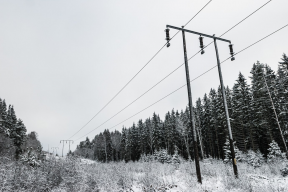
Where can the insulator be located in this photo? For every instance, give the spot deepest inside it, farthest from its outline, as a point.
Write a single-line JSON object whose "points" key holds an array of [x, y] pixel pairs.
{"points": [[231, 52], [167, 34], [167, 37], [201, 42], [201, 45], [231, 49]]}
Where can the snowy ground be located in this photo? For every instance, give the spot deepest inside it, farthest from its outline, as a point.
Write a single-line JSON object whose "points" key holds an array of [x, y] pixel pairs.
{"points": [[216, 176], [85, 175]]}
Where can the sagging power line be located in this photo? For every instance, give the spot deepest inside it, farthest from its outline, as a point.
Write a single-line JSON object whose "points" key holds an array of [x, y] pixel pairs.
{"points": [[169, 39], [202, 74], [137, 73]]}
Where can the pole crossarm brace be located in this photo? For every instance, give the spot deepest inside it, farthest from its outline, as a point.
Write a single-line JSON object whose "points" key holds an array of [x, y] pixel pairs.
{"points": [[197, 33]]}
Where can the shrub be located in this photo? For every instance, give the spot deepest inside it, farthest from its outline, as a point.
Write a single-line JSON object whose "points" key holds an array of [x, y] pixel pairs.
{"points": [[255, 159]]}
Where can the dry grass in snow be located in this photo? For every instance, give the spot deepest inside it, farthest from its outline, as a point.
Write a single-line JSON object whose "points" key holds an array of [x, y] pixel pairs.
{"points": [[84, 175]]}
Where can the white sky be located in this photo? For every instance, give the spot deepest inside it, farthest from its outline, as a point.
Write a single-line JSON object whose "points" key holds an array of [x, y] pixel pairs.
{"points": [[61, 61]]}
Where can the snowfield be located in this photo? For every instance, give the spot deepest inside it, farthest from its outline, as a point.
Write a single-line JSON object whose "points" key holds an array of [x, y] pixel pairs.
{"points": [[75, 174]]}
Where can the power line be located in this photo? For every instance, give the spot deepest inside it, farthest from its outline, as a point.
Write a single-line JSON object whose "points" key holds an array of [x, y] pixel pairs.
{"points": [[192, 79], [179, 65], [137, 72], [233, 27]]}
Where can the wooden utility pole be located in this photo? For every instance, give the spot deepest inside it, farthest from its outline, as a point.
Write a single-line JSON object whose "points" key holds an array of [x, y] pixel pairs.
{"points": [[190, 97], [191, 116], [66, 142], [55, 150]]}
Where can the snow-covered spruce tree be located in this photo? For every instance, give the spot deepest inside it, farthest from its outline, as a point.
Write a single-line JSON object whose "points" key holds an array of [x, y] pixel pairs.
{"points": [[175, 158], [157, 131], [199, 114], [227, 152], [263, 114], [184, 133], [214, 123], [128, 146], [141, 135], [135, 145], [243, 131], [275, 153], [18, 135], [3, 116], [163, 156], [208, 134], [255, 159], [281, 87], [221, 117]]}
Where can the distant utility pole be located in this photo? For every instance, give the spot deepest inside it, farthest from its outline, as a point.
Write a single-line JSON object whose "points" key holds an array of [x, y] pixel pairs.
{"points": [[276, 117], [66, 142], [190, 97], [55, 149]]}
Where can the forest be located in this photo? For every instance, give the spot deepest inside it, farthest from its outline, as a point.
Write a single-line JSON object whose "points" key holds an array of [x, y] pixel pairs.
{"points": [[253, 121], [15, 142], [156, 154]]}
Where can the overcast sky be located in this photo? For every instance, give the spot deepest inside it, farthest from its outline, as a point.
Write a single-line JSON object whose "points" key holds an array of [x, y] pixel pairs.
{"points": [[61, 61]]}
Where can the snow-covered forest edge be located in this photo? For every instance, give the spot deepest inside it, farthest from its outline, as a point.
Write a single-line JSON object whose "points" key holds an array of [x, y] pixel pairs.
{"points": [[253, 121], [157, 155]]}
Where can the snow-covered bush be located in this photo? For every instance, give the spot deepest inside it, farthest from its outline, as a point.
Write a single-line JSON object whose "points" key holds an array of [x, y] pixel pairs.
{"points": [[30, 158], [275, 153], [239, 155], [284, 171], [161, 156], [145, 158], [255, 159], [164, 157], [176, 159]]}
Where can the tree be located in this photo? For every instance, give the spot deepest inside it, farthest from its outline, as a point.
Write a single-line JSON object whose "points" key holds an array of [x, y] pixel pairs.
{"points": [[239, 156], [261, 109], [275, 152], [32, 141], [18, 134], [135, 145], [243, 131]]}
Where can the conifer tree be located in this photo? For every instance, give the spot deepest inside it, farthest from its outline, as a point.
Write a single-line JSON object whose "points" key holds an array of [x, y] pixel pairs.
{"points": [[244, 133], [261, 106], [214, 121], [208, 139], [275, 152], [135, 145], [157, 133]]}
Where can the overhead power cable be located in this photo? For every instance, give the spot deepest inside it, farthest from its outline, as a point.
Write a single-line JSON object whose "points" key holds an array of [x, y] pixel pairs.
{"points": [[137, 73], [179, 65], [190, 81]]}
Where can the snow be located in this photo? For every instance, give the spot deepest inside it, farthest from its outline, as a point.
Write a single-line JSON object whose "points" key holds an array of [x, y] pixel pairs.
{"points": [[87, 161]]}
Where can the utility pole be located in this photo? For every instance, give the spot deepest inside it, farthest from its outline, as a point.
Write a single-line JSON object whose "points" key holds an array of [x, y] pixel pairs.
{"points": [[276, 117], [222, 87], [226, 108], [55, 149], [192, 122], [66, 142]]}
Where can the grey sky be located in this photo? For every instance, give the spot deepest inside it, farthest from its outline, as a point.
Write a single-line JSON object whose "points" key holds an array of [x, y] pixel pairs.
{"points": [[62, 61]]}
